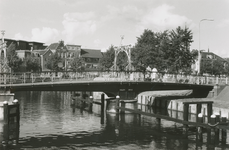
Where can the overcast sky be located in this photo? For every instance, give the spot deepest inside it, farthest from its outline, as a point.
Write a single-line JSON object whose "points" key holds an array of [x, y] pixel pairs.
{"points": [[98, 24]]}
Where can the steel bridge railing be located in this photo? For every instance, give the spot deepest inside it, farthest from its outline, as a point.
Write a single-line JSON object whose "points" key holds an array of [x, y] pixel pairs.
{"points": [[28, 77]]}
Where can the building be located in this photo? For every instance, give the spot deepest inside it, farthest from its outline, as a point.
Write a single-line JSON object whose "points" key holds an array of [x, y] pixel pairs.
{"points": [[25, 45], [205, 57], [44, 55], [91, 58], [25, 49]]}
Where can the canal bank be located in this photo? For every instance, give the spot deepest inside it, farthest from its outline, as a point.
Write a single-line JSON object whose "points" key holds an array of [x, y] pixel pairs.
{"points": [[219, 96]]}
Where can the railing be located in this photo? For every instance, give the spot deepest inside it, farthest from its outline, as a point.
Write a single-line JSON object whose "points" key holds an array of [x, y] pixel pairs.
{"points": [[28, 77]]}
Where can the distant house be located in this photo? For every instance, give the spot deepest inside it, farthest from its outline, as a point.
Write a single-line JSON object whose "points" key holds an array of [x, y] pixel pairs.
{"points": [[208, 56], [91, 58], [23, 53], [44, 55], [25, 49], [25, 45]]}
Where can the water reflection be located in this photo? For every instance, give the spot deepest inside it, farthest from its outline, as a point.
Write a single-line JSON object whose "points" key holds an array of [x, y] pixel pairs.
{"points": [[49, 122]]}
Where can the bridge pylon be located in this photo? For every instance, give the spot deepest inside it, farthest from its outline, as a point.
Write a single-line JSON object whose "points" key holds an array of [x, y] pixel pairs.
{"points": [[4, 67], [127, 50]]}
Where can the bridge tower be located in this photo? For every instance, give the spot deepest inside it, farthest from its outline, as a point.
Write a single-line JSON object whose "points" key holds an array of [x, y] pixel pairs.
{"points": [[4, 68], [127, 50]]}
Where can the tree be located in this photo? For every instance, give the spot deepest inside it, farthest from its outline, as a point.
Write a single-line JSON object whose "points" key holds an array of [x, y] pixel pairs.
{"points": [[77, 64], [107, 61], [181, 57], [165, 51], [217, 67], [14, 61], [55, 62], [147, 51], [213, 67], [32, 63]]}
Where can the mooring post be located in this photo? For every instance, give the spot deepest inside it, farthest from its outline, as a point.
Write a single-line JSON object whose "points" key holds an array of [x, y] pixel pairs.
{"points": [[6, 124], [186, 111], [117, 103], [116, 108], [199, 128], [224, 131], [5, 111], [123, 106], [90, 103], [198, 111], [102, 103], [102, 108], [217, 120], [185, 117], [212, 129], [209, 107], [16, 103]]}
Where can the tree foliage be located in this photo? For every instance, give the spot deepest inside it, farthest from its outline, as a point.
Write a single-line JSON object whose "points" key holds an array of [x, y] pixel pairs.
{"points": [[107, 61], [166, 51], [150, 50], [213, 67], [14, 61], [32, 63], [77, 64], [55, 62]]}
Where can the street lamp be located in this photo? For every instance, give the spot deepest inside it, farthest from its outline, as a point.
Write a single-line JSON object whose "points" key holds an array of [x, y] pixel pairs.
{"points": [[199, 53]]}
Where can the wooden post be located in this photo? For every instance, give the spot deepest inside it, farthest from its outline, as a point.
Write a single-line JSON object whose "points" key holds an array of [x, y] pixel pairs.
{"points": [[185, 117], [123, 106], [90, 103], [186, 110], [117, 104], [198, 111], [6, 124], [17, 123], [102, 103], [5, 111], [158, 120], [200, 129], [224, 132], [209, 107], [102, 108], [116, 108], [217, 119], [212, 129]]}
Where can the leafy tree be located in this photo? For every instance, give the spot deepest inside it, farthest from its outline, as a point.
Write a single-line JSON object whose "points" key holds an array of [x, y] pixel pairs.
{"points": [[14, 61], [77, 64], [107, 61], [32, 63], [217, 67], [122, 61], [147, 51], [213, 67], [55, 62], [181, 57], [165, 51]]}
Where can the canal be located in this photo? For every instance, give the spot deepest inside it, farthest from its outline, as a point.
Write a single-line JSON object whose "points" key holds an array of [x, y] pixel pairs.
{"points": [[47, 121]]}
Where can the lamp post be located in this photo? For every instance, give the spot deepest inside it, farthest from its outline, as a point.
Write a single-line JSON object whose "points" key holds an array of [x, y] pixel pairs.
{"points": [[199, 53]]}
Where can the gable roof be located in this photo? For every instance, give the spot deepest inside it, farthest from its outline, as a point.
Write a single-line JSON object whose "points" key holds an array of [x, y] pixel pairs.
{"points": [[41, 52], [91, 53], [204, 54], [53, 46]]}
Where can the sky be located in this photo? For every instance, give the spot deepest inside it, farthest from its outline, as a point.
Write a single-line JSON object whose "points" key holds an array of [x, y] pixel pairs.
{"points": [[98, 24]]}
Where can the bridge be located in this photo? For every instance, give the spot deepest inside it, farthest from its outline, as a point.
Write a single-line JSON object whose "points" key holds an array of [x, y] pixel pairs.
{"points": [[125, 89]]}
